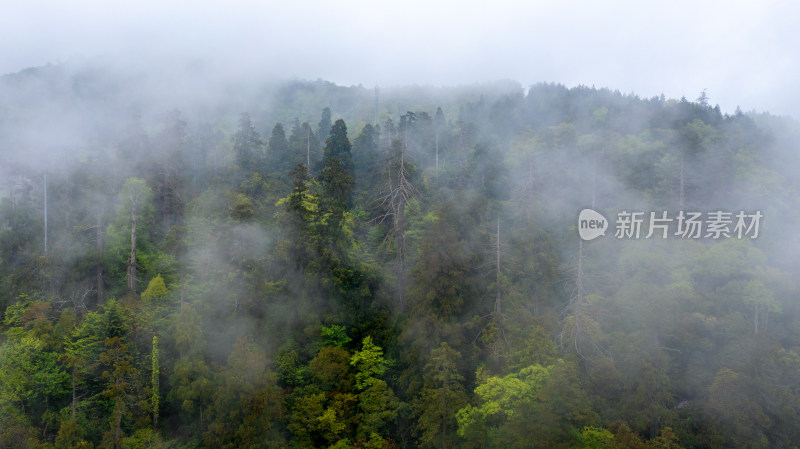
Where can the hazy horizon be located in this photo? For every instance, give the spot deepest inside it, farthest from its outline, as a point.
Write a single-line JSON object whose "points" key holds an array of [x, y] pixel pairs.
{"points": [[742, 55]]}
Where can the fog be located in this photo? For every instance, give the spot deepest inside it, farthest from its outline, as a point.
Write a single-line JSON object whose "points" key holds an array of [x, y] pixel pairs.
{"points": [[450, 147], [742, 53]]}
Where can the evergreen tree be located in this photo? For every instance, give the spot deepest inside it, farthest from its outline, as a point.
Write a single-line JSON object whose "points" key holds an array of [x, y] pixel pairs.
{"points": [[247, 145], [279, 156], [324, 126], [336, 179]]}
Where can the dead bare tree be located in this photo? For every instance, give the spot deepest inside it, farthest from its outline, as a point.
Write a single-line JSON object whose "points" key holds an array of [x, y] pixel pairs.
{"points": [[135, 195], [397, 190]]}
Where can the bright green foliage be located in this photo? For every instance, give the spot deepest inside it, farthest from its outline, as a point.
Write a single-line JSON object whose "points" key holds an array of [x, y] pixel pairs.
{"points": [[546, 402], [334, 335], [156, 289], [500, 398], [29, 374], [369, 363], [596, 438]]}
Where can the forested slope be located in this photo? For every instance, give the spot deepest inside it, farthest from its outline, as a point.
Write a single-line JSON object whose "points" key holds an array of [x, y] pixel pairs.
{"points": [[308, 265]]}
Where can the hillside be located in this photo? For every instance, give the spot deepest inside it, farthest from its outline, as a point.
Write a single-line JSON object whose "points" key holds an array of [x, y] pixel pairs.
{"points": [[188, 261]]}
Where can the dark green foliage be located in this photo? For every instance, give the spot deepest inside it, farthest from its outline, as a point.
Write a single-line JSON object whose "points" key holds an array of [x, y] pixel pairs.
{"points": [[279, 155], [247, 145], [310, 293]]}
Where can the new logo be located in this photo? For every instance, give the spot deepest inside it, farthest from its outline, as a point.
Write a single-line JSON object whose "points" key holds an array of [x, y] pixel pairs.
{"points": [[591, 224]]}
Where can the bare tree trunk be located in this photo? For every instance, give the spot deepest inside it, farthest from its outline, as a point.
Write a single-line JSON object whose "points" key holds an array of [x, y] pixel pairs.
{"points": [[132, 260], [308, 149], [400, 240], [400, 236], [576, 304], [681, 200], [498, 296], [45, 213], [594, 179], [98, 269]]}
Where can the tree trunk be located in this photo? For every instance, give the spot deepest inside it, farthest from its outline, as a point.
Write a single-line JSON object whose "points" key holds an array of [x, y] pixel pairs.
{"points": [[400, 237], [98, 269], [45, 213], [594, 179], [498, 297], [681, 198], [132, 260]]}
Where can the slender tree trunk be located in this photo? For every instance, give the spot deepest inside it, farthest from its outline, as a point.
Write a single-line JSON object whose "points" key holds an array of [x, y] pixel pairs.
{"points": [[98, 269], [400, 240], [578, 301], [594, 179], [132, 260], [681, 199], [498, 297], [400, 237], [45, 213]]}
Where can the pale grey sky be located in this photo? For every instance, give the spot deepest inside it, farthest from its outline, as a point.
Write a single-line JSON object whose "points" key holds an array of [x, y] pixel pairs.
{"points": [[743, 53]]}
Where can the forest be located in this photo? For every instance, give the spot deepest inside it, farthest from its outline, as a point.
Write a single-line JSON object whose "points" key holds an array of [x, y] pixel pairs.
{"points": [[191, 264]]}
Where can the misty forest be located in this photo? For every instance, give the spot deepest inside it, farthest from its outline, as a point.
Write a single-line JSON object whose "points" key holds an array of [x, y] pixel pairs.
{"points": [[192, 263]]}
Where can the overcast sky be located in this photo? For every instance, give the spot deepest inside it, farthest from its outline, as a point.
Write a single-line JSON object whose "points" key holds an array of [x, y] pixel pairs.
{"points": [[743, 53]]}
